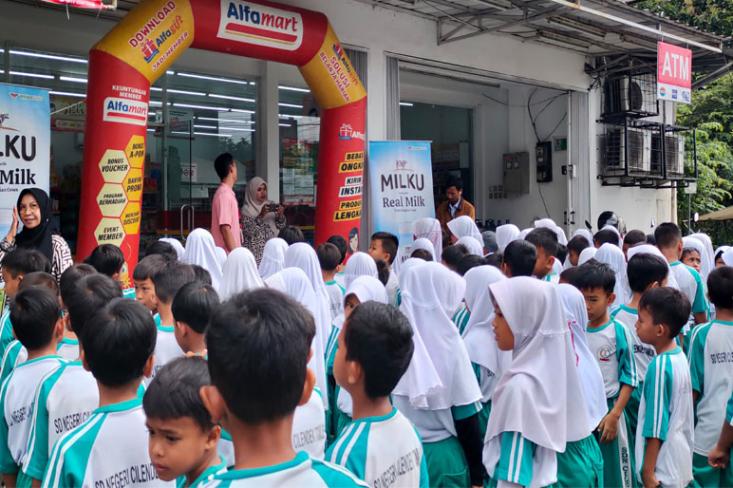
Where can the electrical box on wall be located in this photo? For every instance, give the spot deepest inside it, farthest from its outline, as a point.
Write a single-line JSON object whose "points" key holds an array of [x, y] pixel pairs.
{"points": [[516, 173], [543, 153]]}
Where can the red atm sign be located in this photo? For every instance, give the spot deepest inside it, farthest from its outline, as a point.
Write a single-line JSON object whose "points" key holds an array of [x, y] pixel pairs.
{"points": [[674, 73]]}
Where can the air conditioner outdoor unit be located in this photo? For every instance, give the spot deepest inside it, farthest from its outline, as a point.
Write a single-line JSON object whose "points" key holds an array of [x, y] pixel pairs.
{"points": [[615, 152], [626, 95], [675, 155]]}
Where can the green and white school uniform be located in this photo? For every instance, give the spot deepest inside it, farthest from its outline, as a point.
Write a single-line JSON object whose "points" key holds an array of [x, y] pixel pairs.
{"points": [[6, 330], [166, 348], [109, 449], [68, 349], [16, 397], [336, 295], [129, 293], [690, 284], [65, 399], [711, 370], [14, 355], [460, 318], [204, 478], [300, 471], [612, 346], [382, 451], [666, 414]]}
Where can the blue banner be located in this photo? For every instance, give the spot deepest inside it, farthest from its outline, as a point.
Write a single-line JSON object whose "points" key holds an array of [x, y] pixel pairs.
{"points": [[400, 186]]}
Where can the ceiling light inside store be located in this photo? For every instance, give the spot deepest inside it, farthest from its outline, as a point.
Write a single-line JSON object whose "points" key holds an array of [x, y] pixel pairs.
{"points": [[229, 97], [196, 126], [72, 79], [187, 92], [48, 56], [232, 121], [285, 125], [212, 78], [67, 94], [156, 89], [293, 88], [155, 103], [240, 129], [32, 75], [406, 104], [184, 133], [170, 72], [290, 105], [286, 116]]}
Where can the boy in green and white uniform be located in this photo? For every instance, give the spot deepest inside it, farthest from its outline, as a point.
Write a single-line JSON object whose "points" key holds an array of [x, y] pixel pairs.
{"points": [[35, 316], [167, 282], [143, 275], [112, 444], [719, 456], [329, 257], [380, 446]]}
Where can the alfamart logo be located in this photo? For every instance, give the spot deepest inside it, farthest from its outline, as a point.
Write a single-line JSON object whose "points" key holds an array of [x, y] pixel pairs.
{"points": [[255, 24], [125, 111]]}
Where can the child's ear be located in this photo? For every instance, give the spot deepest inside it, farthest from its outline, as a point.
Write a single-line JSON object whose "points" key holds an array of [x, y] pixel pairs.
{"points": [[148, 369], [58, 329], [182, 328], [212, 440], [354, 372], [611, 297], [308, 385], [214, 403], [67, 322]]}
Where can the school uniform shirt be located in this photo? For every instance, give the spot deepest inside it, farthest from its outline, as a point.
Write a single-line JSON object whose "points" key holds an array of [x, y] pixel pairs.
{"points": [[203, 478], [336, 294], [64, 400], [518, 461], [612, 346], [392, 286], [690, 284], [302, 470], [14, 355], [435, 425], [460, 318], [643, 353], [6, 329], [109, 449], [68, 349], [166, 348], [16, 397], [382, 451], [666, 413], [129, 293], [711, 369]]}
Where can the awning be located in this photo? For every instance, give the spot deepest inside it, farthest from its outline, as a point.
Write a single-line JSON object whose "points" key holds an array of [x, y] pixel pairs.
{"points": [[723, 214]]}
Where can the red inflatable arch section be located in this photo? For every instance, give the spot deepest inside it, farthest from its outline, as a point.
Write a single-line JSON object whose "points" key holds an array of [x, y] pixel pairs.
{"points": [[140, 49]]}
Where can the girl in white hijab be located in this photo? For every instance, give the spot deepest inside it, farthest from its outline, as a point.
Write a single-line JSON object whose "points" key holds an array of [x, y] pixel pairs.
{"points": [[431, 293], [359, 264], [585, 233], [690, 247], [506, 234], [260, 220], [201, 250], [614, 257], [273, 257], [177, 246], [525, 232], [550, 224], [474, 247], [615, 231], [708, 257], [586, 255], [425, 245], [728, 257], [464, 226], [719, 256], [537, 407], [429, 228], [240, 274]]}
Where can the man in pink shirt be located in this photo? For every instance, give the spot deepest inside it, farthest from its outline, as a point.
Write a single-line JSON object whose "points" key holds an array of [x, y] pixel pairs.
{"points": [[225, 225]]}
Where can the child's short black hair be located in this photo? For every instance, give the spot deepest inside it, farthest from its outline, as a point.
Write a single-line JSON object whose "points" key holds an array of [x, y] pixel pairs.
{"points": [[40, 279], [34, 313], [379, 338], [222, 163], [87, 296], [291, 234], [495, 259], [562, 252], [720, 287], [389, 242], [520, 256], [634, 237], [194, 304], [578, 244], [24, 261], [106, 259], [268, 335], [544, 238], [668, 307], [423, 254], [605, 236], [71, 278], [650, 239], [644, 269], [467, 262], [667, 235], [170, 279], [329, 257], [148, 267], [596, 275], [382, 271], [341, 244], [174, 392], [122, 342], [570, 276], [202, 274], [452, 255], [162, 248]]}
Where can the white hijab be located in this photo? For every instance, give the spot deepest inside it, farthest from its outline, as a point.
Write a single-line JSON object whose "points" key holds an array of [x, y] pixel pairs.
{"points": [[251, 207], [359, 264], [465, 226], [586, 255], [273, 257], [474, 247], [479, 334], [728, 257], [525, 232], [589, 372], [540, 394], [201, 250], [429, 228], [615, 230], [695, 244], [177, 246], [431, 295], [294, 283], [506, 234], [240, 273], [721, 250], [708, 255], [425, 245], [649, 249], [221, 255], [550, 224], [614, 257], [585, 233]]}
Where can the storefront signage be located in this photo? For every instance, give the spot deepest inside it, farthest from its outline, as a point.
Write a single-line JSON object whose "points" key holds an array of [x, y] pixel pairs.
{"points": [[257, 24], [674, 73], [400, 186]]}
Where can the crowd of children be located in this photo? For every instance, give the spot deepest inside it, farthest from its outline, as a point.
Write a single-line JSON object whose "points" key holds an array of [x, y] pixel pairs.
{"points": [[602, 360]]}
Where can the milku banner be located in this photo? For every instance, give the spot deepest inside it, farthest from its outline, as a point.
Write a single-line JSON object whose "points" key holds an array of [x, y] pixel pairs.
{"points": [[400, 186]]}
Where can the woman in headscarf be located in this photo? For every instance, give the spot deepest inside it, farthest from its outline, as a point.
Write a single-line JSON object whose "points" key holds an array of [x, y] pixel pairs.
{"points": [[39, 232], [240, 274], [261, 218], [464, 226], [613, 256], [201, 250], [273, 257]]}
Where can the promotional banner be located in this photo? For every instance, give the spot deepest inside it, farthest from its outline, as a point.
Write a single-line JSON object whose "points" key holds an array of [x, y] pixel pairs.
{"points": [[400, 187], [674, 73], [25, 142]]}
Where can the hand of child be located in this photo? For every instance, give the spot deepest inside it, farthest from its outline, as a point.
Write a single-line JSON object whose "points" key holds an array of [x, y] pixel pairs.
{"points": [[649, 479], [608, 428], [718, 458]]}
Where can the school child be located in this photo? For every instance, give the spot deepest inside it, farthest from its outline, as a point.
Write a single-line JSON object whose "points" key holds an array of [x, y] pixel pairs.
{"points": [[692, 253], [520, 258], [452, 255], [15, 266], [439, 393], [546, 244], [644, 272], [67, 396], [375, 349], [143, 275], [192, 308], [329, 258], [537, 406], [613, 256], [607, 235], [167, 283], [35, 314], [166, 249], [576, 245], [631, 239], [463, 314], [719, 456], [664, 434], [712, 377], [384, 246], [109, 260], [174, 410], [612, 345], [268, 335], [114, 439], [342, 246]]}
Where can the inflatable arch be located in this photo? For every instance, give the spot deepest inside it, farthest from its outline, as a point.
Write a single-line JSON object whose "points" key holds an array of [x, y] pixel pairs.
{"points": [[124, 64]]}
